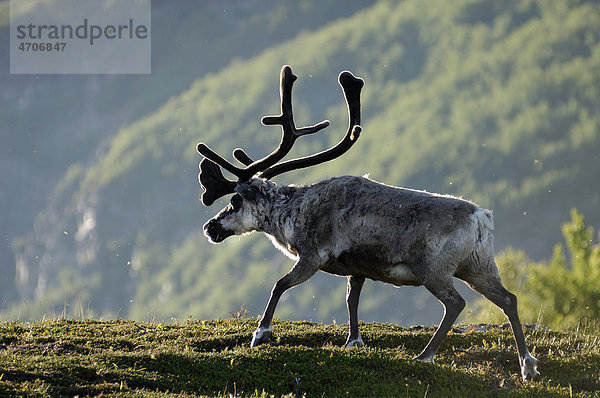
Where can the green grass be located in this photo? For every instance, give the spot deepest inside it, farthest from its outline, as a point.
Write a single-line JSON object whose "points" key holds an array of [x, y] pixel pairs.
{"points": [[213, 358]]}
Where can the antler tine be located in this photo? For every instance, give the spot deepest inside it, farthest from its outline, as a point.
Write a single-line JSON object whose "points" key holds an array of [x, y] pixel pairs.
{"points": [[352, 86], [211, 155], [212, 181], [242, 157], [286, 120]]}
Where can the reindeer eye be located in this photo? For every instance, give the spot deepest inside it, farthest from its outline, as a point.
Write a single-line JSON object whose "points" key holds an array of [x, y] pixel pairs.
{"points": [[236, 202]]}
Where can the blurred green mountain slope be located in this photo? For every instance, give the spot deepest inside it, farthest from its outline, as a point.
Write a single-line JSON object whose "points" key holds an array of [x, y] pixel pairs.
{"points": [[495, 102]]}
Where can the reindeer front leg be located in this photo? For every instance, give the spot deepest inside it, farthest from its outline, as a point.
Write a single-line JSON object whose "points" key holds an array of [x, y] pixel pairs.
{"points": [[301, 272]]}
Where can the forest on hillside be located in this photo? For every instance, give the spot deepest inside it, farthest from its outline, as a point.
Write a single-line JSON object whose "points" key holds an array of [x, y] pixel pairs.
{"points": [[496, 102]]}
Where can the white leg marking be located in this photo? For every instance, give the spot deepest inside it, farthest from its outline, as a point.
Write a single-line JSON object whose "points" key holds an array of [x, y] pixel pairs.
{"points": [[529, 367], [425, 359], [355, 342], [261, 335]]}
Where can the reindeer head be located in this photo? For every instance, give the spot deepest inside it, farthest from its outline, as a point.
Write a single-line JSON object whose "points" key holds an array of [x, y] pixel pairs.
{"points": [[245, 213], [249, 205]]}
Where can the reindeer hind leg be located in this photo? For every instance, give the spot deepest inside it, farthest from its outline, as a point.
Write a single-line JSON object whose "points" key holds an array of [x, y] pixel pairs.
{"points": [[490, 286], [352, 296]]}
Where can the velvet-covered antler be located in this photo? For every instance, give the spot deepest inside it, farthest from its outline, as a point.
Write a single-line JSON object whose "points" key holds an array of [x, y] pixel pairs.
{"points": [[289, 134], [352, 86], [216, 185]]}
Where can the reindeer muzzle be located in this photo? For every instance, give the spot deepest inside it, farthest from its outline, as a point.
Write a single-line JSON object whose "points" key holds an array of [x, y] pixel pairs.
{"points": [[215, 232]]}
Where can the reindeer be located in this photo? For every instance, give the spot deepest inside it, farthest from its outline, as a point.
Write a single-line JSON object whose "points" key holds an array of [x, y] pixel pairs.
{"points": [[356, 227]]}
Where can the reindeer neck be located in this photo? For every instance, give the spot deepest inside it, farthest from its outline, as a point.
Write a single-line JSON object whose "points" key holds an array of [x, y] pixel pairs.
{"points": [[278, 219]]}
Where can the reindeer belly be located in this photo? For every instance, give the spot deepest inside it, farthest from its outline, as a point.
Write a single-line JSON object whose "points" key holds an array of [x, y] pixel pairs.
{"points": [[401, 274], [372, 265]]}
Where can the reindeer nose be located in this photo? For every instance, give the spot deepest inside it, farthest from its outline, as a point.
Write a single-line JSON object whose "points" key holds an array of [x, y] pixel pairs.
{"points": [[211, 230], [209, 226], [215, 231]]}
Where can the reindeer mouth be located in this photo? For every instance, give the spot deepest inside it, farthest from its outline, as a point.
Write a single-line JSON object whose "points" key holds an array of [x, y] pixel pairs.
{"points": [[215, 232]]}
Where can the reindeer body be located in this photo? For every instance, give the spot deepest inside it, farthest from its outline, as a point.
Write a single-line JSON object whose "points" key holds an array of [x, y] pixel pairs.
{"points": [[358, 228]]}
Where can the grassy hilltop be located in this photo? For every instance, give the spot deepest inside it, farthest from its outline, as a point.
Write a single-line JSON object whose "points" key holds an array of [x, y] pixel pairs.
{"points": [[213, 358]]}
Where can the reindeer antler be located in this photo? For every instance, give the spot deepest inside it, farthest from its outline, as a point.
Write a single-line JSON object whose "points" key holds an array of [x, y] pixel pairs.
{"points": [[351, 86], [213, 182], [289, 134], [216, 185]]}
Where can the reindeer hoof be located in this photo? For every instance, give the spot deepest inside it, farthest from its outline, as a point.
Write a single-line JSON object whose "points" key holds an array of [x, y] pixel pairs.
{"points": [[529, 368], [424, 358], [354, 343], [261, 335]]}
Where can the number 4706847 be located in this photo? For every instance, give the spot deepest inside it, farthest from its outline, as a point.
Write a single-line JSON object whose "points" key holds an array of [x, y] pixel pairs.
{"points": [[24, 46]]}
